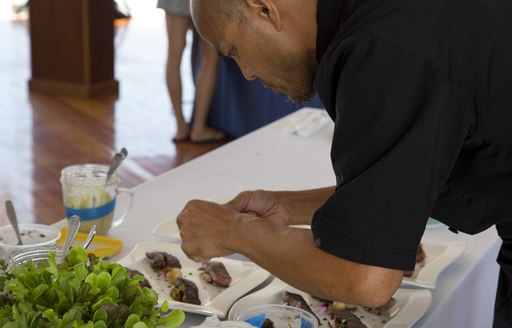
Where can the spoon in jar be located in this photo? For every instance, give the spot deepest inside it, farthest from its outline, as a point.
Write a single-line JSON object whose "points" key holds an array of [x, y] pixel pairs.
{"points": [[116, 161], [73, 226], [11, 214]]}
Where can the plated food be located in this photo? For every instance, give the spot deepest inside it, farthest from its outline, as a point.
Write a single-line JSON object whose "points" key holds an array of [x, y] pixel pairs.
{"points": [[420, 261], [214, 299], [182, 289], [434, 257], [411, 304]]}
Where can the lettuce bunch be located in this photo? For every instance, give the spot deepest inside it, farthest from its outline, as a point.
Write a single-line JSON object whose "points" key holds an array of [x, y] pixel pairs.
{"points": [[83, 291]]}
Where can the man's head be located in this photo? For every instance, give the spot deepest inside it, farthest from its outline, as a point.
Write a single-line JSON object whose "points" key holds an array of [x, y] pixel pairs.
{"points": [[273, 40]]}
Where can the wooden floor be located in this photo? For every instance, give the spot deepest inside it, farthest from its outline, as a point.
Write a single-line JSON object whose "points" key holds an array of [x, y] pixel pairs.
{"points": [[41, 134]]}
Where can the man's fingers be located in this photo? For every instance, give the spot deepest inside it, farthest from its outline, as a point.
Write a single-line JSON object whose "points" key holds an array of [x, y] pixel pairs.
{"points": [[194, 254]]}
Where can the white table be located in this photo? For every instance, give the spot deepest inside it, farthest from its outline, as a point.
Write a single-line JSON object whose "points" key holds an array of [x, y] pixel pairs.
{"points": [[272, 159]]}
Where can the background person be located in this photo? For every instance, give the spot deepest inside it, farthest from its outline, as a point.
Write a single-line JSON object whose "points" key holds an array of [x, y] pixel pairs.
{"points": [[178, 22]]}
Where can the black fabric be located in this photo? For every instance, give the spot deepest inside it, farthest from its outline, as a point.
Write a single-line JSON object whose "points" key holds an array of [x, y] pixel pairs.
{"points": [[503, 304], [421, 96], [329, 19]]}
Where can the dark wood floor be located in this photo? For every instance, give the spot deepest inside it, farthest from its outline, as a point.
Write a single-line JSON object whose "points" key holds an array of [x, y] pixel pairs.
{"points": [[41, 134]]}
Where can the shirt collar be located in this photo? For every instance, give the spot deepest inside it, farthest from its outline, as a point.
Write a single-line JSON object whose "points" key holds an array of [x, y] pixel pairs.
{"points": [[328, 17]]}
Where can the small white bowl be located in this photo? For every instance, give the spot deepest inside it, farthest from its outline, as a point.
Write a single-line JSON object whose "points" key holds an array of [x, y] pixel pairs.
{"points": [[32, 235], [214, 322], [281, 316]]}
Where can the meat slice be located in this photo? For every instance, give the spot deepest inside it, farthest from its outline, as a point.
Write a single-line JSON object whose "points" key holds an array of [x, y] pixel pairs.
{"points": [[216, 273], [380, 310], [185, 291], [420, 257], [420, 254], [296, 300], [162, 260], [345, 319]]}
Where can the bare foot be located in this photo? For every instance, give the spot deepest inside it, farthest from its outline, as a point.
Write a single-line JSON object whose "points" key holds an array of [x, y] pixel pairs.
{"points": [[182, 133], [207, 135]]}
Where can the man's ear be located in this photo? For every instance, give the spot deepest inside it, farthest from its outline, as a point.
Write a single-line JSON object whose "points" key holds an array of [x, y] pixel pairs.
{"points": [[267, 10]]}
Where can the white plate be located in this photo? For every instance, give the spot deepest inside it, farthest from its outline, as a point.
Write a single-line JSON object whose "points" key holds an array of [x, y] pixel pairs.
{"points": [[439, 255], [412, 303], [168, 229], [214, 300], [433, 223]]}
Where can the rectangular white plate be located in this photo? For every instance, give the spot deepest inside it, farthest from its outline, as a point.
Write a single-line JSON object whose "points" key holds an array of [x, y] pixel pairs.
{"points": [[214, 300], [439, 255], [412, 304]]}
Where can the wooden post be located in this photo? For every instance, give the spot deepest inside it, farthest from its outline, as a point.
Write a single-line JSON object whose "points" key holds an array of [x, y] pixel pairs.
{"points": [[72, 47]]}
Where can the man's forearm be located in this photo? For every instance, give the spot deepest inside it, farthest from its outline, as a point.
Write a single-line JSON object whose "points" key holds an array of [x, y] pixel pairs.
{"points": [[290, 255], [303, 204]]}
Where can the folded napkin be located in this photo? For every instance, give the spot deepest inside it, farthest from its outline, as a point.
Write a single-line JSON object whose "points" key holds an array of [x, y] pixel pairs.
{"points": [[308, 123]]}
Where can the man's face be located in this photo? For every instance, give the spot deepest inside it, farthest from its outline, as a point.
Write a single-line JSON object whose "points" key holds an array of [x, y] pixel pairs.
{"points": [[262, 52]]}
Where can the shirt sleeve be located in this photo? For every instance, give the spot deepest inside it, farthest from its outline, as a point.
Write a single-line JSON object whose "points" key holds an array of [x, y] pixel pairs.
{"points": [[399, 127]]}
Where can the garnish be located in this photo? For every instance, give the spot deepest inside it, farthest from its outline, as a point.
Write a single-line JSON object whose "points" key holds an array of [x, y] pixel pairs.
{"points": [[83, 291]]}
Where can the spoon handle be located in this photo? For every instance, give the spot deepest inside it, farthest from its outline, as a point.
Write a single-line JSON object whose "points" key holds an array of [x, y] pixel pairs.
{"points": [[11, 214], [90, 236], [116, 161], [73, 226]]}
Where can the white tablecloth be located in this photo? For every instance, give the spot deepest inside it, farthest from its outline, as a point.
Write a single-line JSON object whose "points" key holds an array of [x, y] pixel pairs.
{"points": [[272, 159]]}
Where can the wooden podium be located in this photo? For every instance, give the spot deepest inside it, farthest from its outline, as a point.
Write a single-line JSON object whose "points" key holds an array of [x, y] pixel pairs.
{"points": [[72, 47]]}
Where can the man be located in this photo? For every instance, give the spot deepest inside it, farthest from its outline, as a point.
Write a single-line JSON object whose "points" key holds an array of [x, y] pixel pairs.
{"points": [[421, 96]]}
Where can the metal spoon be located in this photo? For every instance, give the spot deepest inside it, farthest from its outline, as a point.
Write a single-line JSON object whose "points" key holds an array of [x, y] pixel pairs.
{"points": [[73, 226], [11, 214], [91, 235], [116, 161]]}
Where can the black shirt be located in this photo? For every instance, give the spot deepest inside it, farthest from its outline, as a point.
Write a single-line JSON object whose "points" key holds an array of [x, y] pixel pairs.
{"points": [[421, 96]]}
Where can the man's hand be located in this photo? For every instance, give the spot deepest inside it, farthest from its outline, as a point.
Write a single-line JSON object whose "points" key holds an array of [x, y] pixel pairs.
{"points": [[207, 228], [281, 207], [264, 204]]}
